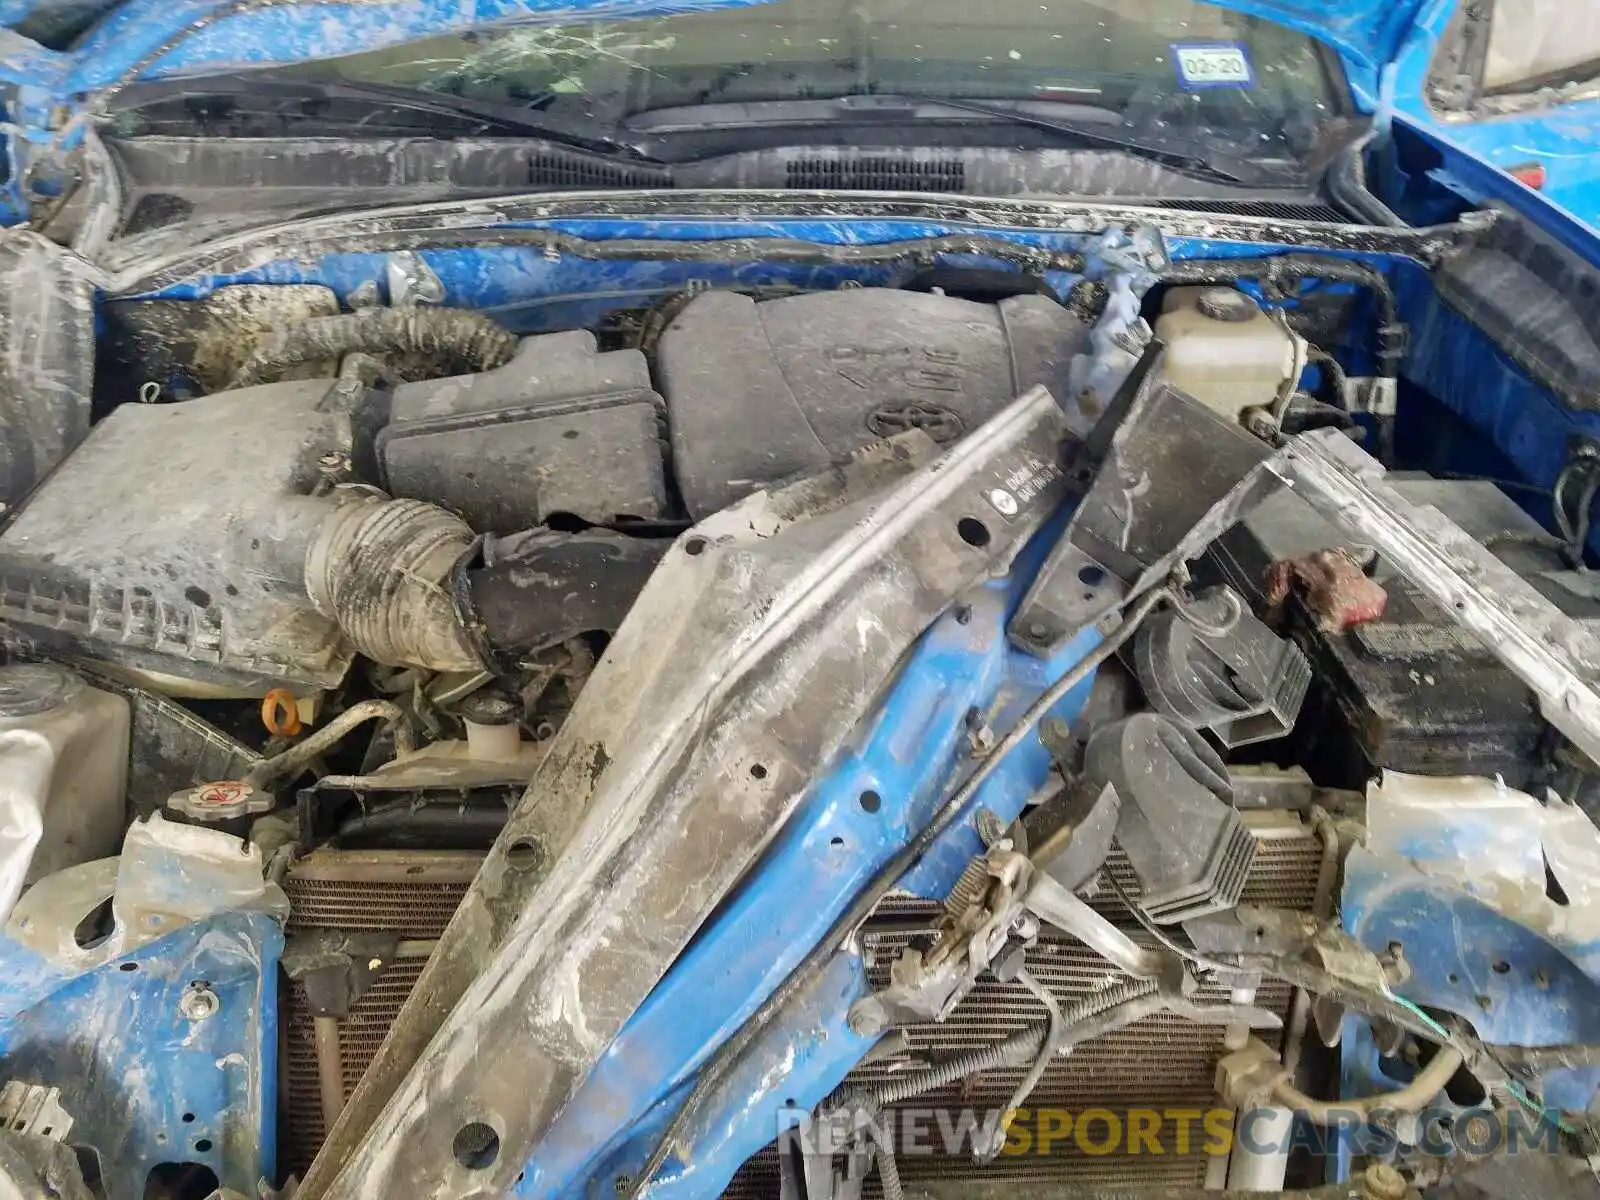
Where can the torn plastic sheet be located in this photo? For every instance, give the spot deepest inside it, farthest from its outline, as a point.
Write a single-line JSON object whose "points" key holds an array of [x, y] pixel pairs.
{"points": [[168, 876], [30, 760], [756, 647], [1495, 842]]}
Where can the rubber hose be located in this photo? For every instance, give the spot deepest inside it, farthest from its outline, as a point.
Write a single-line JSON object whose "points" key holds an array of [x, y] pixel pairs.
{"points": [[1336, 377], [1347, 184], [1428, 1083], [453, 341], [381, 569]]}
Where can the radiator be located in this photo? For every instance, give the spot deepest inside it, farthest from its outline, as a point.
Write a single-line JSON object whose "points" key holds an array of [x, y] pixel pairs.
{"points": [[1159, 1062], [410, 893]]}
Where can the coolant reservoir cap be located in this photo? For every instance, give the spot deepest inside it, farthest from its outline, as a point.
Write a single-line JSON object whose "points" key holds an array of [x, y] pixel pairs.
{"points": [[222, 800], [28, 689], [1227, 304]]}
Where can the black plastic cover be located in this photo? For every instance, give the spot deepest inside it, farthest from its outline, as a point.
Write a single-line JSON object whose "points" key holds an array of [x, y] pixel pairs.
{"points": [[1223, 670], [1161, 459], [760, 392], [560, 429], [1177, 824]]}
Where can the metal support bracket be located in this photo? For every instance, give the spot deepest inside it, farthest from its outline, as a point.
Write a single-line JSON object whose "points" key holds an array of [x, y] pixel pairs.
{"points": [[1055, 905]]}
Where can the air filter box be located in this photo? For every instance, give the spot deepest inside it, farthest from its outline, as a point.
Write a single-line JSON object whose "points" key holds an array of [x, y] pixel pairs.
{"points": [[560, 429], [173, 542]]}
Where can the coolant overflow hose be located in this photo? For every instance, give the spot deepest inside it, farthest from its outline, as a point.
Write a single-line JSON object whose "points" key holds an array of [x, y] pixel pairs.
{"points": [[1409, 1099], [299, 756]]}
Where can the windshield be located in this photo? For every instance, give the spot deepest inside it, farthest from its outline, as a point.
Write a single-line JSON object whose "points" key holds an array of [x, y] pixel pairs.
{"points": [[1168, 62]]}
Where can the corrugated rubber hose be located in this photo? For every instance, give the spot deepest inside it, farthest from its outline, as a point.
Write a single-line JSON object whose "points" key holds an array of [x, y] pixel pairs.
{"points": [[452, 341]]}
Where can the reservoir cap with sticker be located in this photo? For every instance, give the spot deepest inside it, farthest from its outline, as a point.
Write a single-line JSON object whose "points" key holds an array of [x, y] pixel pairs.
{"points": [[1213, 65]]}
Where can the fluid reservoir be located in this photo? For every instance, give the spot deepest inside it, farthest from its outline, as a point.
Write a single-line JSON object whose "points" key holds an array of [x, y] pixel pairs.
{"points": [[1224, 350], [63, 774]]}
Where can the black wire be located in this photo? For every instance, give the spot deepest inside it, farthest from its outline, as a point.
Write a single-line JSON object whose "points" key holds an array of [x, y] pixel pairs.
{"points": [[1336, 377], [1160, 934], [1573, 524]]}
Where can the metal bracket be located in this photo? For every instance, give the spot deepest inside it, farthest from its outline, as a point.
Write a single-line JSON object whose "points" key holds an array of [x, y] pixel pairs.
{"points": [[924, 985], [1070, 590], [697, 736], [412, 282], [1377, 395], [1055, 905]]}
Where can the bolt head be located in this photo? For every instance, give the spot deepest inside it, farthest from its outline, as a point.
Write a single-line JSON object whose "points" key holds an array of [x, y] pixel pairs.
{"points": [[1004, 502], [198, 1002], [866, 1019]]}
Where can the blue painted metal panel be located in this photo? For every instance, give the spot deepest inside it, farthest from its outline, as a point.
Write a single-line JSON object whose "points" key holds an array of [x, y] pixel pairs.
{"points": [[1512, 984], [1561, 137], [909, 755], [145, 1084]]}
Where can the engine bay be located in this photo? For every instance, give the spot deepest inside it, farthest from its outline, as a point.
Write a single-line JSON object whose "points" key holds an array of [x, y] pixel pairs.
{"points": [[824, 731]]}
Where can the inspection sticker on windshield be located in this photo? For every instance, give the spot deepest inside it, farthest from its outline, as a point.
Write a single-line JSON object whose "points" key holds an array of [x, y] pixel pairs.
{"points": [[1215, 64]]}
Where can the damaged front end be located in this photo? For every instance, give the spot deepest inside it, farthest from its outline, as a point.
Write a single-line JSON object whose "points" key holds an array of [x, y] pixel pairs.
{"points": [[692, 694]]}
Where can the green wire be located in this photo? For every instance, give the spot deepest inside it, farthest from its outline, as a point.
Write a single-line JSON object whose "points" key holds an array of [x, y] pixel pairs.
{"points": [[1421, 1016], [1511, 1085]]}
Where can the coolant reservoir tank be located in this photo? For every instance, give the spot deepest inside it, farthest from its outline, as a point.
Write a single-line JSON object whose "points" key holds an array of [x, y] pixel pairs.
{"points": [[63, 774], [1224, 350]]}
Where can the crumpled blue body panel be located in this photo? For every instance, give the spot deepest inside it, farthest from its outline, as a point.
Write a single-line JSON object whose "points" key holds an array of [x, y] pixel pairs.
{"points": [[909, 755], [144, 1083], [1513, 984]]}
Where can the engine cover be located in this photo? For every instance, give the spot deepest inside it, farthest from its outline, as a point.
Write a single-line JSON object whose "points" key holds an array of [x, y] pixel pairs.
{"points": [[758, 392]]}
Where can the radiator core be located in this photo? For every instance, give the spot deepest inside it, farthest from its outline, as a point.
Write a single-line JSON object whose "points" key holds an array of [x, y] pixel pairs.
{"points": [[1160, 1062]]}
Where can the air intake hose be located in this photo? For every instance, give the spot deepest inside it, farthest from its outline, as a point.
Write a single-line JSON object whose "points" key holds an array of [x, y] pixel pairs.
{"points": [[451, 341], [381, 569], [410, 584]]}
